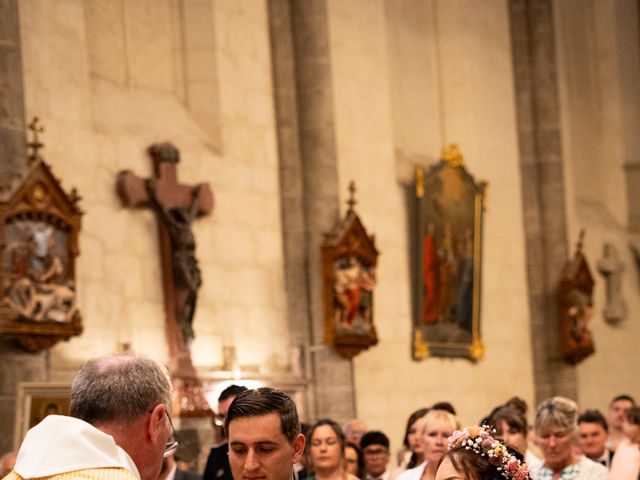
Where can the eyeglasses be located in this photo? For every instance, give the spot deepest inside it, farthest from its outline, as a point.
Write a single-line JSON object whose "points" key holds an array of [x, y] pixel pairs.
{"points": [[171, 447], [376, 451]]}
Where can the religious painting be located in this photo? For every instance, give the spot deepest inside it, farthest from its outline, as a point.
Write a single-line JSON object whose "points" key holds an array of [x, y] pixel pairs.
{"points": [[39, 225], [38, 400], [447, 247], [576, 308], [349, 258]]}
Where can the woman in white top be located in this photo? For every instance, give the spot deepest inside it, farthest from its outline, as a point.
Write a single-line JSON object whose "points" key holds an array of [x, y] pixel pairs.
{"points": [[438, 426], [626, 462]]}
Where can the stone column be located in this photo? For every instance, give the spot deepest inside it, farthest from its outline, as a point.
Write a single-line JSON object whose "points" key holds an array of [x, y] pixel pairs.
{"points": [[541, 163], [309, 188], [15, 364], [12, 140]]}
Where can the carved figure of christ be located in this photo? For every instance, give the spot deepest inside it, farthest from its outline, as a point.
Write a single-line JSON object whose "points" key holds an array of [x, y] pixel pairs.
{"points": [[176, 206]]}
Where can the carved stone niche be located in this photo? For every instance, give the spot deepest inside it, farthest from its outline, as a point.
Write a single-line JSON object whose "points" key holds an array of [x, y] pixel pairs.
{"points": [[576, 308], [349, 259], [39, 226]]}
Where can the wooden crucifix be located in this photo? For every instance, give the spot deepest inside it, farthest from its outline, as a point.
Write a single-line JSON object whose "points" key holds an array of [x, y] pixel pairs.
{"points": [[176, 206]]}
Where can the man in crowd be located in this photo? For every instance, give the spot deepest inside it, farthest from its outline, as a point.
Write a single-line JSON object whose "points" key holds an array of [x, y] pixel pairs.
{"points": [[375, 449], [118, 429], [618, 409], [7, 461], [217, 467], [592, 437], [354, 430], [264, 435]]}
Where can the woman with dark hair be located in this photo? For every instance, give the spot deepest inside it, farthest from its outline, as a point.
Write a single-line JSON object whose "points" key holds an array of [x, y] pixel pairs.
{"points": [[326, 447], [475, 455], [511, 427], [354, 460], [438, 426], [412, 454], [626, 462]]}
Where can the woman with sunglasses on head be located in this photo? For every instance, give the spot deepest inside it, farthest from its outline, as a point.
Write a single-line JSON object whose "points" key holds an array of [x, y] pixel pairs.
{"points": [[326, 452]]}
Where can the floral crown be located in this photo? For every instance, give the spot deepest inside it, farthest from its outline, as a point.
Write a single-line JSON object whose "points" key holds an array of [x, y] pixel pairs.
{"points": [[479, 440]]}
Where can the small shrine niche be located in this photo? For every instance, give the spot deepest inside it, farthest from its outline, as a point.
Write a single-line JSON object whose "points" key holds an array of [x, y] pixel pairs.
{"points": [[39, 226], [576, 307], [349, 259]]}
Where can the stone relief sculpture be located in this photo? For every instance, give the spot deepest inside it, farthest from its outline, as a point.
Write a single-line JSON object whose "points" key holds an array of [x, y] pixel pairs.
{"points": [[39, 226], [38, 286], [611, 268], [576, 307]]}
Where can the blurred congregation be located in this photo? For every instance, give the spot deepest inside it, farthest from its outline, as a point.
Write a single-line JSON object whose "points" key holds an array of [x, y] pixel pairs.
{"points": [[561, 441]]}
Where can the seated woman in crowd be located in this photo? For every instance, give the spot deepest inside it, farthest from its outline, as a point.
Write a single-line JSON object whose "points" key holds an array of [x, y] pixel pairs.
{"points": [[555, 427], [626, 462], [511, 427], [438, 426], [475, 455], [326, 446], [412, 443], [354, 460]]}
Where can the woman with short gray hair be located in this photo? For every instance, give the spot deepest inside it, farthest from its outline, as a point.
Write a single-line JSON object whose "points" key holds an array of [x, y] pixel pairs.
{"points": [[555, 427]]}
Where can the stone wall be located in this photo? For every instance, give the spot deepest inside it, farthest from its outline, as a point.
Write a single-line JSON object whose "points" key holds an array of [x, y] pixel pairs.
{"points": [[110, 78], [410, 77], [600, 96]]}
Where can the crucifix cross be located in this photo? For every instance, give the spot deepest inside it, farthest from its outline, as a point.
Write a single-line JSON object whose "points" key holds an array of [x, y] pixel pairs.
{"points": [[176, 206]]}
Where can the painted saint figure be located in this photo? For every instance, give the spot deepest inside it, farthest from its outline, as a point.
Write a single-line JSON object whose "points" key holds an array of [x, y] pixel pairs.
{"points": [[353, 294]]}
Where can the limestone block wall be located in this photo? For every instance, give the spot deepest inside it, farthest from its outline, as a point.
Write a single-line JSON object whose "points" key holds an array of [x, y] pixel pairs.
{"points": [[599, 85], [411, 77], [109, 78]]}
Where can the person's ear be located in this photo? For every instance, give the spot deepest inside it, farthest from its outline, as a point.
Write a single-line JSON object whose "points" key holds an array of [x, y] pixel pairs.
{"points": [[156, 419], [298, 447]]}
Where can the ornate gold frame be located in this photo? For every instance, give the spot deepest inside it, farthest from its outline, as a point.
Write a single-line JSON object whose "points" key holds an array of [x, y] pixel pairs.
{"points": [[438, 327]]}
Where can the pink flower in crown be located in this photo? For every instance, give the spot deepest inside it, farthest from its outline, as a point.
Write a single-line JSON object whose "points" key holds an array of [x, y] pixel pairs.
{"points": [[512, 465], [486, 443], [456, 437]]}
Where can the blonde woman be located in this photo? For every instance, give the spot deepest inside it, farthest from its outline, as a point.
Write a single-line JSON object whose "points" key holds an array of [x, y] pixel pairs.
{"points": [[555, 427], [437, 427]]}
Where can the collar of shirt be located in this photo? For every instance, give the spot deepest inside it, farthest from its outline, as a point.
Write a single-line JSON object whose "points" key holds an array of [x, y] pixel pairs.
{"points": [[568, 473]]}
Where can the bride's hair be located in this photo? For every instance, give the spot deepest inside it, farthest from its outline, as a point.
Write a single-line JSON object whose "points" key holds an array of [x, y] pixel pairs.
{"points": [[474, 466]]}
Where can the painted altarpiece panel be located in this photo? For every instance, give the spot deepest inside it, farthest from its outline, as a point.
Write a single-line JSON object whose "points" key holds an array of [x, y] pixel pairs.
{"points": [[447, 254]]}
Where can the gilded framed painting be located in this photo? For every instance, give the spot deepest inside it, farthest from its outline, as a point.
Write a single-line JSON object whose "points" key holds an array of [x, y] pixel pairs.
{"points": [[447, 260], [36, 400]]}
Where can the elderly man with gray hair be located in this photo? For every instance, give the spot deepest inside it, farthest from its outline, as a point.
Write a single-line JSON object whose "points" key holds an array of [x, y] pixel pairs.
{"points": [[555, 427], [118, 429]]}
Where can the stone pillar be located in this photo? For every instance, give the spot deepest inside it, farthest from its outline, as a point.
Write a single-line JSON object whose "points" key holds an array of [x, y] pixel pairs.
{"points": [[15, 364], [309, 189], [541, 163], [12, 140]]}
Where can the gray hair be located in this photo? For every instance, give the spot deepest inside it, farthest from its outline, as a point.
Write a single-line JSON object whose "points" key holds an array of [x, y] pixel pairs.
{"points": [[556, 412], [118, 388]]}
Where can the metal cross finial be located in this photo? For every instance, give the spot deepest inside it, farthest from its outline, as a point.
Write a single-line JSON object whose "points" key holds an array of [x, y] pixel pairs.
{"points": [[36, 127], [580, 243], [352, 195]]}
